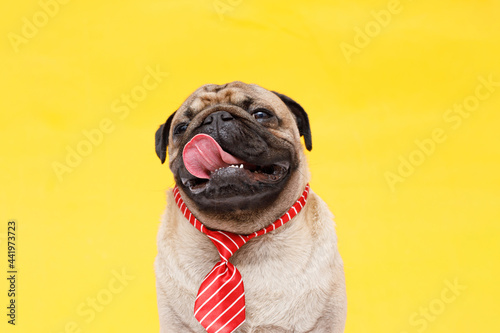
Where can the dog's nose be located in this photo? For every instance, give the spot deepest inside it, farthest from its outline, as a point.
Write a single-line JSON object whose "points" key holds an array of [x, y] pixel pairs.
{"points": [[216, 117]]}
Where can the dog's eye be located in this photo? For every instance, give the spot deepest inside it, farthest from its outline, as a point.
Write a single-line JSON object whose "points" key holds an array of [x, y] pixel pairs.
{"points": [[262, 114], [181, 128]]}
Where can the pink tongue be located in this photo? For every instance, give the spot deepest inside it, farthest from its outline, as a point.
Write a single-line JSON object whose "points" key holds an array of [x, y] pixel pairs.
{"points": [[203, 155]]}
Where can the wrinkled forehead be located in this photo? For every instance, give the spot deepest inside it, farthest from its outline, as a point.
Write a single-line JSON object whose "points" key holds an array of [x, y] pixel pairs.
{"points": [[235, 93]]}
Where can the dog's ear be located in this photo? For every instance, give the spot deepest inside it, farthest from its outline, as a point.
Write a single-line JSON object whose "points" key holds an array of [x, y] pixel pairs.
{"points": [[301, 118], [161, 138]]}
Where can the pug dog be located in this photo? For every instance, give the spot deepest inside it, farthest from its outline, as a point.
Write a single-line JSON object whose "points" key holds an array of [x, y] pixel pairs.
{"points": [[238, 162]]}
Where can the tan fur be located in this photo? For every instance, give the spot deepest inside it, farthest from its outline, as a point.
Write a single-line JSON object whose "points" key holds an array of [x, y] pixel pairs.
{"points": [[293, 276]]}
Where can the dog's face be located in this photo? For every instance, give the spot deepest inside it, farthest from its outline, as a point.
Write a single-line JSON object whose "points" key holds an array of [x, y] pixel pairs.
{"points": [[236, 154]]}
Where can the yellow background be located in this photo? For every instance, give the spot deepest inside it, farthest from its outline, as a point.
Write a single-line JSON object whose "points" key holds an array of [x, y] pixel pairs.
{"points": [[402, 246]]}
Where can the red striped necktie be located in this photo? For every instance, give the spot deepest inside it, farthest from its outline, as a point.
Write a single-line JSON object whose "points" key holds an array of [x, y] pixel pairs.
{"points": [[220, 304]]}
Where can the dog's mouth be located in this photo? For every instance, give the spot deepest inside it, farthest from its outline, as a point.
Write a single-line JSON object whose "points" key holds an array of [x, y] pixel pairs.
{"points": [[208, 164]]}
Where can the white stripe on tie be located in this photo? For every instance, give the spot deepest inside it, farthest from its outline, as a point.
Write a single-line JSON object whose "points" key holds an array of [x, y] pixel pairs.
{"points": [[229, 307], [218, 241], [213, 294], [230, 320], [222, 300], [237, 246], [218, 276], [213, 270]]}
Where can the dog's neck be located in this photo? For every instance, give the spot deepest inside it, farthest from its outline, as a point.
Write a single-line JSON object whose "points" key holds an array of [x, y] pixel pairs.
{"points": [[290, 213]]}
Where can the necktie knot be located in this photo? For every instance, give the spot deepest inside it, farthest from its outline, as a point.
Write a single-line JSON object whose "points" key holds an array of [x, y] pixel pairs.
{"points": [[220, 303], [226, 243]]}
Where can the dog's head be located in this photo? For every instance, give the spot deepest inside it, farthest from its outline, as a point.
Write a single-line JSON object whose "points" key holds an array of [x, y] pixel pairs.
{"points": [[236, 154]]}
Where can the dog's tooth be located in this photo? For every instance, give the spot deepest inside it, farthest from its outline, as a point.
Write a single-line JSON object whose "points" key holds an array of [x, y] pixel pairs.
{"points": [[241, 166]]}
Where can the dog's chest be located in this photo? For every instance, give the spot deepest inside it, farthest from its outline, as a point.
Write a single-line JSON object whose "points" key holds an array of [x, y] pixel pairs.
{"points": [[282, 277]]}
